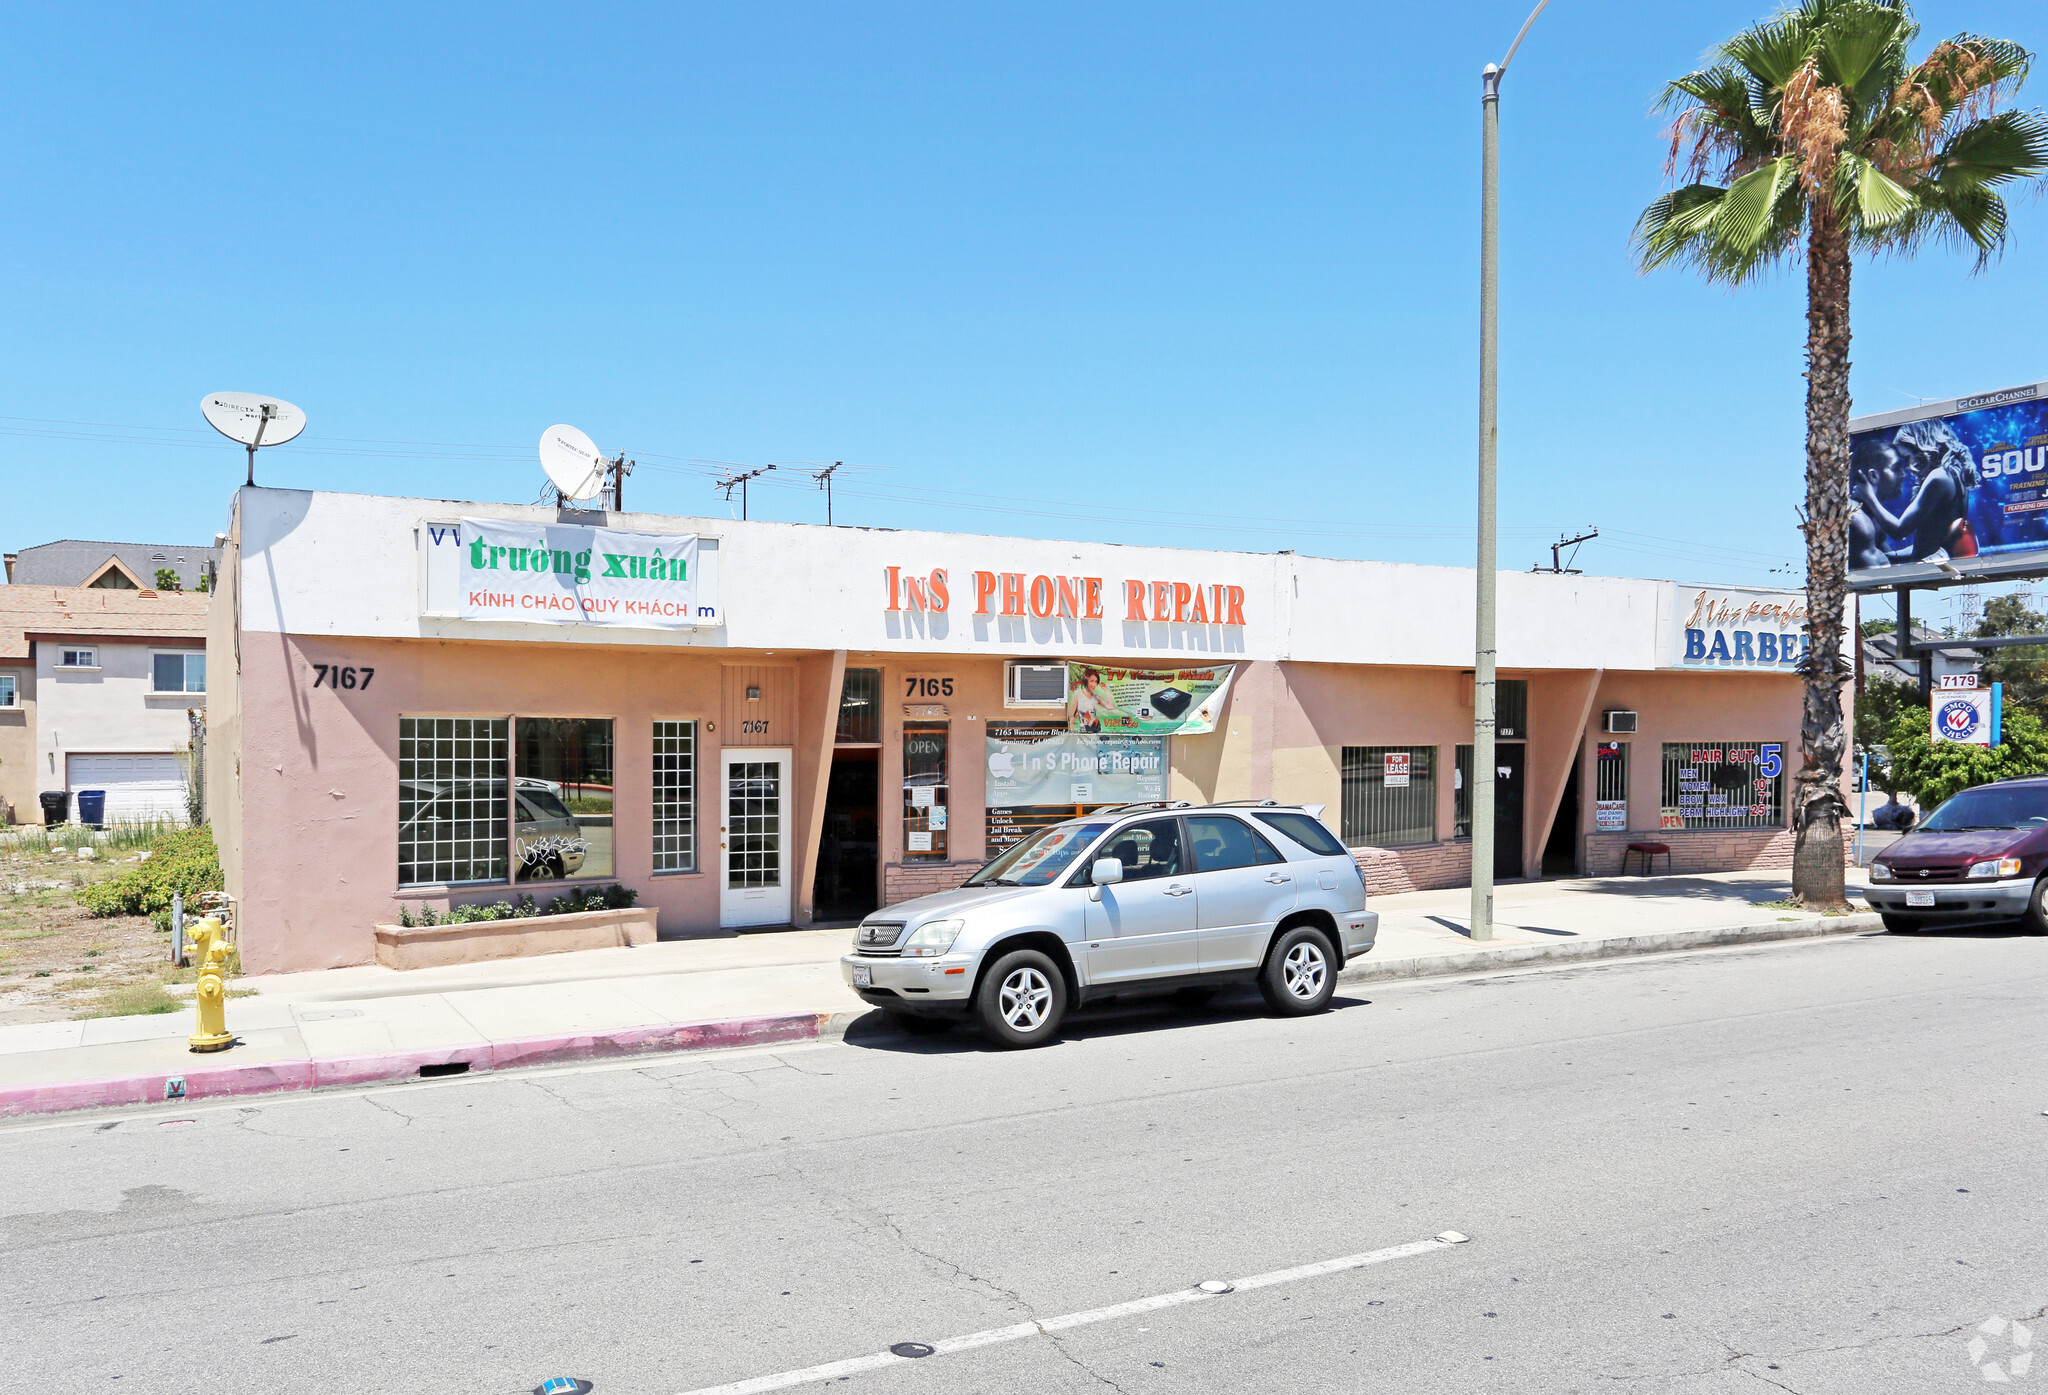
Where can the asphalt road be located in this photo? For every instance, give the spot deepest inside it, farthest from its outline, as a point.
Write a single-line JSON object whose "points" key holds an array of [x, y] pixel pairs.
{"points": [[1815, 1167]]}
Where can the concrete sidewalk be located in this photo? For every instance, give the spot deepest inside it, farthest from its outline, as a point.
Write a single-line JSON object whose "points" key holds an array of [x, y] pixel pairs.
{"points": [[362, 1025]]}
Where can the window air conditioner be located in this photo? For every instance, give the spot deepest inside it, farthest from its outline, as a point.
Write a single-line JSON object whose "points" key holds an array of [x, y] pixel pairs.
{"points": [[1035, 685], [1619, 721]]}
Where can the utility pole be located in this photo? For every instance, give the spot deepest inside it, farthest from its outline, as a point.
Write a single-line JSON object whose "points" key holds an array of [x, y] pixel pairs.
{"points": [[617, 470], [730, 482], [824, 479], [1557, 567], [1483, 645]]}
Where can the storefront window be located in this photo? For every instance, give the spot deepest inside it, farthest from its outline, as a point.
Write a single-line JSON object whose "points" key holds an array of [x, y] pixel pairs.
{"points": [[1610, 786], [860, 708], [451, 800], [1723, 784], [1389, 795], [562, 798], [925, 814], [675, 796]]}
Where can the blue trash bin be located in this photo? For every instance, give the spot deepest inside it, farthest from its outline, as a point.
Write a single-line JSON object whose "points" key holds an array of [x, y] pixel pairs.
{"points": [[92, 808]]}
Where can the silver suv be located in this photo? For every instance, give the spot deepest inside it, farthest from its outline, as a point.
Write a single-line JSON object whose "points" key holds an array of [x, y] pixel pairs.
{"points": [[1141, 897]]}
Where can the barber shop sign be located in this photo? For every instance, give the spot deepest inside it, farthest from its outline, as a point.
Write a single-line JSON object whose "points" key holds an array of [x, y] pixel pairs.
{"points": [[1754, 631]]}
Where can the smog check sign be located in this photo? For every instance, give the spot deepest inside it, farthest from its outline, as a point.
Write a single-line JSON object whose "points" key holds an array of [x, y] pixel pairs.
{"points": [[1966, 718]]}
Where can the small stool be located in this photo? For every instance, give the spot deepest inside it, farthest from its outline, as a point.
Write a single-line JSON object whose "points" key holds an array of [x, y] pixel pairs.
{"points": [[1648, 852]]}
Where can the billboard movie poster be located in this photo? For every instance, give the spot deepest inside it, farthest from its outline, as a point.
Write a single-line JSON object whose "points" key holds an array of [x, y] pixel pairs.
{"points": [[1969, 481], [1146, 701]]}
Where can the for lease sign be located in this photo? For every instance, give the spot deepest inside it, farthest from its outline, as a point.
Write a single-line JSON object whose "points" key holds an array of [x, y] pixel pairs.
{"points": [[567, 574]]}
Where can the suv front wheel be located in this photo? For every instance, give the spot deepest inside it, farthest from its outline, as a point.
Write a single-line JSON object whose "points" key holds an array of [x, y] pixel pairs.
{"points": [[1300, 974], [1022, 999]]}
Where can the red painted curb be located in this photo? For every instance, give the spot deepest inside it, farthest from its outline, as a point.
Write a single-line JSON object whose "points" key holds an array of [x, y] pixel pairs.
{"points": [[271, 1077]]}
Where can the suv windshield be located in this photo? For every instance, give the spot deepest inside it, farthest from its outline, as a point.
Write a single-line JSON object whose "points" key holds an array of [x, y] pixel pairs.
{"points": [[1991, 806], [1039, 859]]}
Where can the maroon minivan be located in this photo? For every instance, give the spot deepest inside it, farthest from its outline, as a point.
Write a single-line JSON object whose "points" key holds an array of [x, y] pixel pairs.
{"points": [[1979, 856]]}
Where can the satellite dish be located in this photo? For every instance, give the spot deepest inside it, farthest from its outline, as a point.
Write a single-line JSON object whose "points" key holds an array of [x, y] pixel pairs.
{"points": [[253, 420], [573, 461]]}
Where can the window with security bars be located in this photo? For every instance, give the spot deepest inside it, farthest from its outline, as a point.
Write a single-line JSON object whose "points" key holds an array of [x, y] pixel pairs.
{"points": [[860, 708], [675, 796], [753, 823], [1723, 784], [1389, 795], [1610, 786], [451, 800], [924, 791]]}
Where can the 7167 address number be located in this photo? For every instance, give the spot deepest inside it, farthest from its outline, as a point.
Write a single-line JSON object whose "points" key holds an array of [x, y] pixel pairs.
{"points": [[342, 676]]}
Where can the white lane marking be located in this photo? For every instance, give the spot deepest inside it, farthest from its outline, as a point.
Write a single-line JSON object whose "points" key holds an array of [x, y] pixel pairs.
{"points": [[832, 1370]]}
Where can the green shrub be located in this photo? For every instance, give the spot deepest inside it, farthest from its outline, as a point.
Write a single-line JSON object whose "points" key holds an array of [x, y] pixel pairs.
{"points": [[185, 862]]}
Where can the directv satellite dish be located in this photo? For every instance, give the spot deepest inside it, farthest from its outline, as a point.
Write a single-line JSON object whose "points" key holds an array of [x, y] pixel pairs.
{"points": [[573, 462], [253, 420]]}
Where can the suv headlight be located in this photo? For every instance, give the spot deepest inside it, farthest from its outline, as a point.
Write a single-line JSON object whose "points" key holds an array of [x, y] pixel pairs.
{"points": [[932, 939], [1997, 867], [1880, 872]]}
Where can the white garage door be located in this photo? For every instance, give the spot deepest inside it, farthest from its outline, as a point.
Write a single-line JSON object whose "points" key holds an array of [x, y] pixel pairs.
{"points": [[138, 787]]}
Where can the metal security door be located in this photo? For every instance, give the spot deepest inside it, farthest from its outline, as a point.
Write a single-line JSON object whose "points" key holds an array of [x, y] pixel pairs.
{"points": [[754, 839]]}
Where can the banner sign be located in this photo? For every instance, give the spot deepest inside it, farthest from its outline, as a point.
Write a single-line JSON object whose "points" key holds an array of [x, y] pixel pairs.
{"points": [[1967, 478], [1968, 718], [567, 574], [1045, 765], [1750, 631], [1144, 701]]}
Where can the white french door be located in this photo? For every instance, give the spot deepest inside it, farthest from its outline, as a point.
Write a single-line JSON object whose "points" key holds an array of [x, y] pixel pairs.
{"points": [[754, 838]]}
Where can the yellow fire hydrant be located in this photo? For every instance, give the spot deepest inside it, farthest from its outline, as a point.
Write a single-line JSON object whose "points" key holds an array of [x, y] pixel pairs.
{"points": [[208, 939]]}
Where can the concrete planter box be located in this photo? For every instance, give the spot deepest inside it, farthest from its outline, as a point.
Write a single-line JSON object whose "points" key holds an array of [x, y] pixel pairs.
{"points": [[431, 946]]}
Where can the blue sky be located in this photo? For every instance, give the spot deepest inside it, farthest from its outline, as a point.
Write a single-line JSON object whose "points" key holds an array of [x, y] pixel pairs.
{"points": [[1187, 274]]}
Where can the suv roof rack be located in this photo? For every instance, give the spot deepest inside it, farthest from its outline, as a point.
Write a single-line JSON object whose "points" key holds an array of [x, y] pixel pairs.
{"points": [[1242, 804], [1121, 809]]}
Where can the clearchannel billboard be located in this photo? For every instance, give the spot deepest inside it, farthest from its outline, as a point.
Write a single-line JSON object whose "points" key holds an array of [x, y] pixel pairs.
{"points": [[1950, 481]]}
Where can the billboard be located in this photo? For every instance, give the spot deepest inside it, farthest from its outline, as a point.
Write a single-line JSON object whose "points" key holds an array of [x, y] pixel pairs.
{"points": [[1950, 481], [1146, 701]]}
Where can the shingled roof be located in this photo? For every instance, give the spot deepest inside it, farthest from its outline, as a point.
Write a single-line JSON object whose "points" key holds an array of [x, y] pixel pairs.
{"points": [[74, 562], [81, 611]]}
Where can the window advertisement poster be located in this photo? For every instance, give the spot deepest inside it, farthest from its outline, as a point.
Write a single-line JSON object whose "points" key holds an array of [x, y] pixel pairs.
{"points": [[1146, 701], [1395, 774], [1610, 815], [1949, 481], [1041, 774], [568, 574], [1968, 718]]}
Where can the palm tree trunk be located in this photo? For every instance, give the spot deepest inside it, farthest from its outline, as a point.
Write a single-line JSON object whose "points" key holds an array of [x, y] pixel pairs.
{"points": [[1818, 806]]}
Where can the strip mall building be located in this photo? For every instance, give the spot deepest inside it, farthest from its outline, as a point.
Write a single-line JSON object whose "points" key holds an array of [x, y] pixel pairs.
{"points": [[769, 724]]}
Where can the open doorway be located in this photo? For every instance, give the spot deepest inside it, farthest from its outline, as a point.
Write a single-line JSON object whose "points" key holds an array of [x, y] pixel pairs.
{"points": [[848, 884], [1561, 849]]}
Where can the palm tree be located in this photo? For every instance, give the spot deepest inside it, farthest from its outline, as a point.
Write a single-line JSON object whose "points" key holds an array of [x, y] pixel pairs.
{"points": [[1814, 132]]}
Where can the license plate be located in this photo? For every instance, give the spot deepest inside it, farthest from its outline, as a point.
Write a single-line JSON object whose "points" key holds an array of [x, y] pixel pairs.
{"points": [[1919, 898], [864, 975]]}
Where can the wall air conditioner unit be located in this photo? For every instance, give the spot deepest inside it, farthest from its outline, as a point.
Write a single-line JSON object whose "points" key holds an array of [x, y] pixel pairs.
{"points": [[1619, 721], [1034, 685]]}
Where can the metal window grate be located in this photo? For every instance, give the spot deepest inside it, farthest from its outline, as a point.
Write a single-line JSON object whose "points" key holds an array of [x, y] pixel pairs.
{"points": [[1722, 784], [675, 796], [753, 824], [860, 708], [1385, 805], [1610, 786], [451, 800]]}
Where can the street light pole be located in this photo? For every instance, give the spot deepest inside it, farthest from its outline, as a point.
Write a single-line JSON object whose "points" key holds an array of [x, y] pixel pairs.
{"points": [[1483, 645]]}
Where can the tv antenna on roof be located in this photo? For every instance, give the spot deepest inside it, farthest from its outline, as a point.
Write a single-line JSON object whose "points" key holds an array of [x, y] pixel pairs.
{"points": [[253, 420], [739, 482]]}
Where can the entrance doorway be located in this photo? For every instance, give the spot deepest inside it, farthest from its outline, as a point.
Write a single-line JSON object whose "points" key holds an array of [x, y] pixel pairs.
{"points": [[848, 884], [754, 838], [1561, 848], [1507, 804]]}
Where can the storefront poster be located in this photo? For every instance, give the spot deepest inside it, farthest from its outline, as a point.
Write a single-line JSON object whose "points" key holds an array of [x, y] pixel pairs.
{"points": [[1963, 479], [566, 574], [1146, 701], [1031, 765], [1395, 774], [1611, 815]]}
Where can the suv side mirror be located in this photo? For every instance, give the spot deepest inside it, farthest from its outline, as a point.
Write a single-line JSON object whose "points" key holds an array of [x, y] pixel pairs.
{"points": [[1106, 871]]}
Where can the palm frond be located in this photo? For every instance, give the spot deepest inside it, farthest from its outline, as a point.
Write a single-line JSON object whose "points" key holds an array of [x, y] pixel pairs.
{"points": [[1997, 150], [1970, 219], [1870, 200], [1859, 40], [1772, 51]]}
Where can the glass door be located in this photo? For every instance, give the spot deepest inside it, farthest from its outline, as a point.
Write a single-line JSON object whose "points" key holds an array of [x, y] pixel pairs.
{"points": [[754, 838]]}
